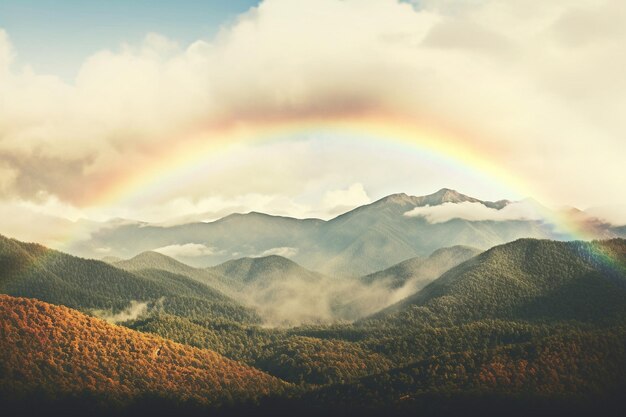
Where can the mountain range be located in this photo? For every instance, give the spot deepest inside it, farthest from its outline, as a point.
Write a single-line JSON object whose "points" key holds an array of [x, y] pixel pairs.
{"points": [[368, 313], [362, 241]]}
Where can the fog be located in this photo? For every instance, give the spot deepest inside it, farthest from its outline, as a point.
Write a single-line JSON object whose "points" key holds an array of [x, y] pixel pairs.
{"points": [[298, 296], [135, 310]]}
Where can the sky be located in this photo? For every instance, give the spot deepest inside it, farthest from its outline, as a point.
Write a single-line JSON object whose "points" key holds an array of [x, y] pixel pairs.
{"points": [[189, 110]]}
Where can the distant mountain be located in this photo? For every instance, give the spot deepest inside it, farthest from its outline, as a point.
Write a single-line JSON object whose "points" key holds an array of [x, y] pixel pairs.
{"points": [[421, 271], [155, 260], [527, 279], [445, 195], [264, 271], [111, 259], [391, 285], [281, 290], [369, 238], [31, 270], [51, 352]]}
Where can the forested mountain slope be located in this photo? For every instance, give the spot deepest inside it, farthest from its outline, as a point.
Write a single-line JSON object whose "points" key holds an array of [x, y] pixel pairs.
{"points": [[526, 279], [393, 284], [155, 260], [55, 351], [31, 270]]}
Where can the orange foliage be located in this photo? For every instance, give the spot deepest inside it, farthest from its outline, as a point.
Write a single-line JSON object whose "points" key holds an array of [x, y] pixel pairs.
{"points": [[59, 350]]}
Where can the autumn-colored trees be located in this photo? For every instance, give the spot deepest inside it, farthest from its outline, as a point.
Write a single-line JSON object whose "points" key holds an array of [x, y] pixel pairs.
{"points": [[58, 350]]}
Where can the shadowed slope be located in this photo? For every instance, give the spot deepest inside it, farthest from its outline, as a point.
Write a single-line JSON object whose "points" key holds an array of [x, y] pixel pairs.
{"points": [[31, 270], [532, 279]]}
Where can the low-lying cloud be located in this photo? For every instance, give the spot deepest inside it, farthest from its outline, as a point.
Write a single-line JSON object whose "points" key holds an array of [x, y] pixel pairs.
{"points": [[135, 310], [522, 210], [187, 250], [284, 251]]}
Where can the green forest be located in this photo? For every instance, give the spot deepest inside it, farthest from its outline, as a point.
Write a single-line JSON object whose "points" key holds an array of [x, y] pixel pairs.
{"points": [[532, 326]]}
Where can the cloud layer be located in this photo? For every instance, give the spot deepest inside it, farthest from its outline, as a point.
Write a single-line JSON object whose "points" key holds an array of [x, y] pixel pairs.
{"points": [[536, 86], [187, 250], [522, 210]]}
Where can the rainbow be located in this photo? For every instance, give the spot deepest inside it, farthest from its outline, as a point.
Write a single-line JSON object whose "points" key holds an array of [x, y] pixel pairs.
{"points": [[177, 164], [181, 160], [184, 159]]}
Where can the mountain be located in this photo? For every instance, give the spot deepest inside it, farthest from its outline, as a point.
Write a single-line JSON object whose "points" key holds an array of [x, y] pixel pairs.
{"points": [[281, 290], [378, 235], [111, 259], [383, 288], [264, 271], [156, 261], [55, 352], [527, 279], [445, 195], [31, 270], [369, 238], [421, 270]]}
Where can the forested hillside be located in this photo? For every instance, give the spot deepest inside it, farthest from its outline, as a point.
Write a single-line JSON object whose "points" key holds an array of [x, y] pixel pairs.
{"points": [[522, 327], [31, 270], [54, 351], [527, 279], [155, 260], [569, 374]]}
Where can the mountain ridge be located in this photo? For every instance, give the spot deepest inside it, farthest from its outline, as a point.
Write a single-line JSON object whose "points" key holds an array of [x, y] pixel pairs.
{"points": [[364, 240], [526, 276]]}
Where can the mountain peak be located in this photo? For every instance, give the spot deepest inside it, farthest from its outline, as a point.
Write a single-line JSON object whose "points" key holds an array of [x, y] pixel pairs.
{"points": [[447, 195], [152, 259], [149, 255], [443, 196], [399, 198]]}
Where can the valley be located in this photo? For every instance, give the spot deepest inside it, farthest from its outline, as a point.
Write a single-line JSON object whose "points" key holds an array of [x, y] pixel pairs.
{"points": [[527, 324]]}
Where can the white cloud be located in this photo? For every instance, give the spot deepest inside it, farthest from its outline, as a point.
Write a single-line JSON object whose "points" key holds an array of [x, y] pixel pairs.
{"points": [[535, 86], [522, 210], [187, 250], [135, 310], [338, 201], [284, 251]]}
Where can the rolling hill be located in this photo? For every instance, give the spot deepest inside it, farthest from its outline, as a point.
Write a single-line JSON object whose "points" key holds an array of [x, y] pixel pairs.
{"points": [[55, 352], [239, 274], [155, 260], [577, 373], [31, 270]]}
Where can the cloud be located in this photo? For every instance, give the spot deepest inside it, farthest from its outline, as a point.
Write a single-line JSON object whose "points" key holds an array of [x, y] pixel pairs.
{"points": [[135, 310], [188, 250], [338, 201], [528, 83], [476, 212], [284, 251]]}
